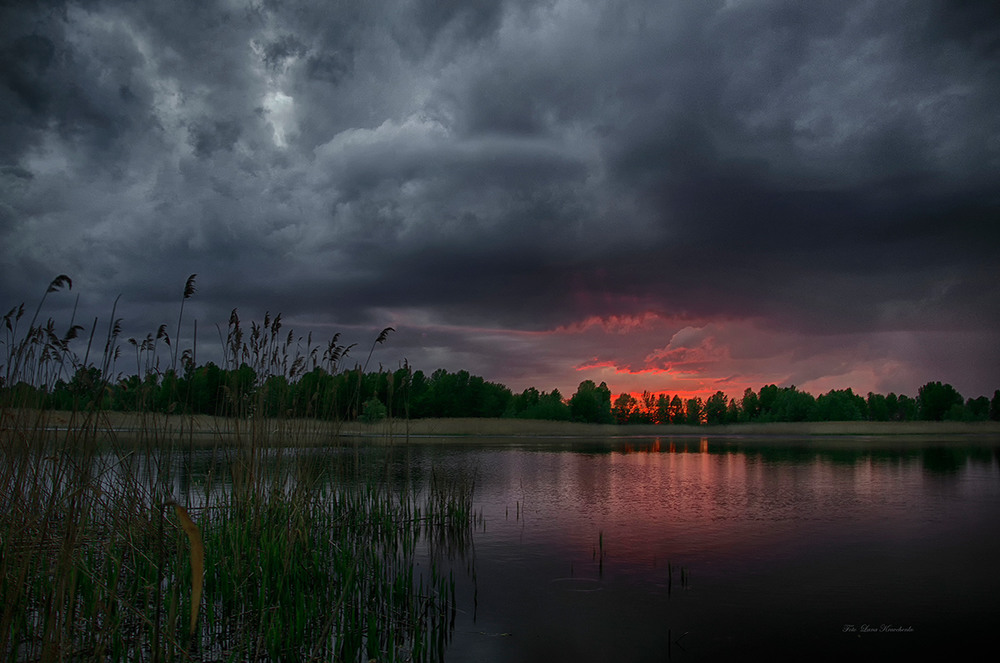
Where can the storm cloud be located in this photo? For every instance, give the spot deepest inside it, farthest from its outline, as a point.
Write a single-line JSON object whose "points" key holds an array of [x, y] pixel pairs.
{"points": [[673, 196]]}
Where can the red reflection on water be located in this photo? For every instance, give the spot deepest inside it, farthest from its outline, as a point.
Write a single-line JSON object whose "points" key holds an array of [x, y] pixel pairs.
{"points": [[674, 499], [806, 537], [657, 446], [654, 448]]}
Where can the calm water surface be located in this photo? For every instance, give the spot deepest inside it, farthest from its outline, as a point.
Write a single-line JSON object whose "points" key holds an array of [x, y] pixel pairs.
{"points": [[687, 549]]}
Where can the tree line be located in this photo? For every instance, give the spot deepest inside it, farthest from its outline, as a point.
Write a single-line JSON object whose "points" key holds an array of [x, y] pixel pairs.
{"points": [[268, 372], [404, 393], [934, 402]]}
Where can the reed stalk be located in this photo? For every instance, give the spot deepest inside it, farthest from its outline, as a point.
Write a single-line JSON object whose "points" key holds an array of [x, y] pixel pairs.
{"points": [[285, 559]]}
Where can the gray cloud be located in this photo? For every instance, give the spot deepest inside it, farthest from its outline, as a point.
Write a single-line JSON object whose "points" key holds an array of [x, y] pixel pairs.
{"points": [[517, 166]]}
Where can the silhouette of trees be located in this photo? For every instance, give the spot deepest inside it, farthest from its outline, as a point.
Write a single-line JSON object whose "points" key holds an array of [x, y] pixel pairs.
{"points": [[662, 414], [676, 410], [936, 401], [459, 394], [269, 372], [591, 403], [532, 404], [717, 409], [842, 405], [785, 404], [624, 408], [977, 409], [749, 405], [403, 393], [694, 411], [878, 407]]}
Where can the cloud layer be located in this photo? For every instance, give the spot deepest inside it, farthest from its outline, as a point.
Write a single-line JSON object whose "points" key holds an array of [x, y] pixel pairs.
{"points": [[664, 195]]}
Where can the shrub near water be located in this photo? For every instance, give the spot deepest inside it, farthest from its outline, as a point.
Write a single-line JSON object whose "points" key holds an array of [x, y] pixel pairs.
{"points": [[300, 562]]}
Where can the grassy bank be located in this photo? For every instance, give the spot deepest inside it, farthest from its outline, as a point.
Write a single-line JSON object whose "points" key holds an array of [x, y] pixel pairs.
{"points": [[319, 432], [528, 428]]}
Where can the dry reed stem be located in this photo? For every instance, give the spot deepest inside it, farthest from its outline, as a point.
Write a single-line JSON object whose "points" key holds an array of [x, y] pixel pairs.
{"points": [[197, 560]]}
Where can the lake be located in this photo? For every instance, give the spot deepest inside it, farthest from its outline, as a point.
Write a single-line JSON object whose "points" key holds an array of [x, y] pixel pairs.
{"points": [[654, 549], [693, 549]]}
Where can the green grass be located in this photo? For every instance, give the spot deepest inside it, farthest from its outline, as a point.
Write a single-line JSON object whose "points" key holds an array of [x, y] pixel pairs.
{"points": [[294, 567], [302, 561]]}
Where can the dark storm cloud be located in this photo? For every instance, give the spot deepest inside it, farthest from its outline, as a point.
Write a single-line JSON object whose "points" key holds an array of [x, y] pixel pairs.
{"points": [[472, 19], [817, 168]]}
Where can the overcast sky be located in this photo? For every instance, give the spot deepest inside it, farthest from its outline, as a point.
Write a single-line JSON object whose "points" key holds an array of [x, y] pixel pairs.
{"points": [[679, 196]]}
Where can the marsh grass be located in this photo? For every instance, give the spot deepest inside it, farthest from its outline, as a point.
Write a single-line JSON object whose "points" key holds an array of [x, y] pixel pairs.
{"points": [[268, 556]]}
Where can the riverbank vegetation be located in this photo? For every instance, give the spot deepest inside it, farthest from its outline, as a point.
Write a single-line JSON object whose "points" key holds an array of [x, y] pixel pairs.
{"points": [[269, 372], [146, 548]]}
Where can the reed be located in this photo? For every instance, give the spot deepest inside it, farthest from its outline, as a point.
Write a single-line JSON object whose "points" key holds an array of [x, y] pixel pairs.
{"points": [[268, 555]]}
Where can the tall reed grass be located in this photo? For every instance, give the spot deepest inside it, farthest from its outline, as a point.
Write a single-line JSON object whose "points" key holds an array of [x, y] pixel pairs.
{"points": [[266, 557]]}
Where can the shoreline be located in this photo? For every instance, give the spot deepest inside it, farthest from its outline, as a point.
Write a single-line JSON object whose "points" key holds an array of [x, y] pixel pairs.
{"points": [[173, 424]]}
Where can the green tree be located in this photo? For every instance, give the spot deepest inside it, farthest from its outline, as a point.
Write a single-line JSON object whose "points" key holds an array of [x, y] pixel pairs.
{"points": [[906, 408], [715, 408], [662, 415], [85, 387], [373, 410], [766, 399], [591, 403], [313, 394], [840, 405], [126, 397], [790, 404], [677, 412], [749, 405], [624, 408], [526, 400], [936, 400], [239, 390], [204, 389], [420, 395], [458, 394], [276, 396], [552, 406], [892, 405], [978, 409], [645, 413], [532, 404], [694, 411], [878, 408]]}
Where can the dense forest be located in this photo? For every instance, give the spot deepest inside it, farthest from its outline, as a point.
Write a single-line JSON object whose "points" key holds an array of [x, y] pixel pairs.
{"points": [[268, 372]]}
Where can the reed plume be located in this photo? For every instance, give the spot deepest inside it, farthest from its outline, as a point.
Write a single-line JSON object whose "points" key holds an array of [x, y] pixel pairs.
{"points": [[188, 291]]}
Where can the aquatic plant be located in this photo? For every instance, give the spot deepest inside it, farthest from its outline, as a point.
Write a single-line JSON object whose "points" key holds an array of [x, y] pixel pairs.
{"points": [[265, 557]]}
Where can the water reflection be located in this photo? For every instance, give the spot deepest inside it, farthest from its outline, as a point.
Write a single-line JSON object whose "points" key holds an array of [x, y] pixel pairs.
{"points": [[781, 544], [581, 543]]}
